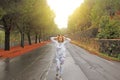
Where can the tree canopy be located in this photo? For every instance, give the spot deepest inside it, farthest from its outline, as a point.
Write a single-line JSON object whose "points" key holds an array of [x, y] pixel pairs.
{"points": [[27, 17], [102, 14]]}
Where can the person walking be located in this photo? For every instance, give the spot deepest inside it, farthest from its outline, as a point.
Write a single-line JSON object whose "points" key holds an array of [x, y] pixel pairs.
{"points": [[60, 42]]}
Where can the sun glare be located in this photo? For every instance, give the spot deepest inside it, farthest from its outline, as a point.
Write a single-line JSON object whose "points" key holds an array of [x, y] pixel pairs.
{"points": [[62, 9]]}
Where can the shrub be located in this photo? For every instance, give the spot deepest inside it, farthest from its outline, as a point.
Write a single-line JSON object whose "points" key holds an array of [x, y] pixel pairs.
{"points": [[109, 29]]}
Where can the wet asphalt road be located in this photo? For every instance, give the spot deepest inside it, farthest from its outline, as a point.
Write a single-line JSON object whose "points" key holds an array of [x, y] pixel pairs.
{"points": [[40, 65], [30, 66], [94, 67], [81, 65]]}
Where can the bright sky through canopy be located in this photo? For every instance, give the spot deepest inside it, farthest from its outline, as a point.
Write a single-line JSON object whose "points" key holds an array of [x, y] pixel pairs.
{"points": [[62, 9]]}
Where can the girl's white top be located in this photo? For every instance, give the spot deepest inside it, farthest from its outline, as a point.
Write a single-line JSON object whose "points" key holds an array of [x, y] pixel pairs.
{"points": [[60, 47]]}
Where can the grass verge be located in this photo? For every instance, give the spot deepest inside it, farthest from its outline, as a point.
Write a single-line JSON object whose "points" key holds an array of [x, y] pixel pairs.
{"points": [[105, 56]]}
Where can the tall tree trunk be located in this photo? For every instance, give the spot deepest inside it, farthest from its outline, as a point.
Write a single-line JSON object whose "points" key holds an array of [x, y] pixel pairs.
{"points": [[7, 32], [7, 39], [22, 39], [29, 38], [39, 38], [42, 34], [35, 38]]}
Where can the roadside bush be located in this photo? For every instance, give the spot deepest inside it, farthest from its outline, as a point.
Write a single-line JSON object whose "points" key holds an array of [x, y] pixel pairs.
{"points": [[110, 47], [109, 29]]}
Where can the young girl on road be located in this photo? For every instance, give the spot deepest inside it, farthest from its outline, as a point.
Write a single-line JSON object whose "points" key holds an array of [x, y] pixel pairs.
{"points": [[60, 42]]}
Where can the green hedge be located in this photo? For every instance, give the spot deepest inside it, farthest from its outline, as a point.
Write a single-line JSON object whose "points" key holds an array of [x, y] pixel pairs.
{"points": [[88, 39], [110, 46]]}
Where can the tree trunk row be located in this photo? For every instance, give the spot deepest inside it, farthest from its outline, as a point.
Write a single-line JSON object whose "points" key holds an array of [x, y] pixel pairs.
{"points": [[7, 29]]}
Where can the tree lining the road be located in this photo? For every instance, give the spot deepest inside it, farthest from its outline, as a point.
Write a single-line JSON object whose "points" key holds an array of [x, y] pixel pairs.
{"points": [[95, 25], [32, 18], [101, 14]]}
